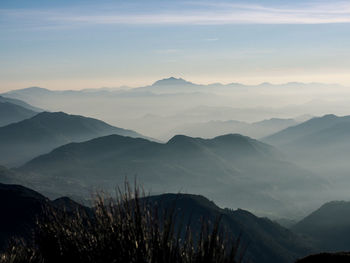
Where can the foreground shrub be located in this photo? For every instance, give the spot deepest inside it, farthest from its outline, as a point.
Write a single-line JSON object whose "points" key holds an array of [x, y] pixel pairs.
{"points": [[125, 229]]}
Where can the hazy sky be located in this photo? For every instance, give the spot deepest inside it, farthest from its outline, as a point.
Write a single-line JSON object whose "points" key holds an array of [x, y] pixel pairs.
{"points": [[90, 44]]}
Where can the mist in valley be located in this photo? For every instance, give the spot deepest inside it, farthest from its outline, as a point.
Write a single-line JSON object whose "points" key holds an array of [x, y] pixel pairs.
{"points": [[119, 119], [307, 168]]}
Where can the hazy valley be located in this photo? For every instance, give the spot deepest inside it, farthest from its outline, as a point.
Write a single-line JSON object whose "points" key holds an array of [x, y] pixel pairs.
{"points": [[277, 165], [189, 131]]}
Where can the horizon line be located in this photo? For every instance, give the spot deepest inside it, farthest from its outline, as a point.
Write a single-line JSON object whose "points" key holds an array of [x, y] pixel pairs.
{"points": [[189, 82]]}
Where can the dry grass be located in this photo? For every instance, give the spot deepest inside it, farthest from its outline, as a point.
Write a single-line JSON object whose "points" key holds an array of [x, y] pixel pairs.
{"points": [[125, 229]]}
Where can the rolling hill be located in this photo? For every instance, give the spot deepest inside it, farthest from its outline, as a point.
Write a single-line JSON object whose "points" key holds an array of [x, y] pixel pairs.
{"points": [[225, 168], [24, 140]]}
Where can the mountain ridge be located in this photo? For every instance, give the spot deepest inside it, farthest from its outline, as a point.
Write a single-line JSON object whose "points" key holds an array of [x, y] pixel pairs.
{"points": [[229, 165], [24, 140]]}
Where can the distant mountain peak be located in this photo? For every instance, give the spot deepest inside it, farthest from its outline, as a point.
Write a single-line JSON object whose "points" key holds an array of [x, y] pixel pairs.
{"points": [[171, 81], [54, 116], [36, 88], [232, 136], [265, 84], [30, 89], [48, 113], [180, 139], [329, 116]]}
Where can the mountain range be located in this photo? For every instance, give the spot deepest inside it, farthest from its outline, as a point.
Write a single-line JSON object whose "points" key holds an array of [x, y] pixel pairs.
{"points": [[179, 102], [230, 167], [24, 140]]}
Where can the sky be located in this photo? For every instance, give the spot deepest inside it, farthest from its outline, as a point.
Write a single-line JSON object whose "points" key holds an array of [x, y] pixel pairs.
{"points": [[80, 44]]}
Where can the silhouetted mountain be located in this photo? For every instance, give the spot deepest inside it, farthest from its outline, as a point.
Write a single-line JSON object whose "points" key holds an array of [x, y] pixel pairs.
{"points": [[266, 241], [19, 103], [20, 207], [171, 82], [169, 86], [22, 141], [10, 113], [230, 167], [328, 226]]}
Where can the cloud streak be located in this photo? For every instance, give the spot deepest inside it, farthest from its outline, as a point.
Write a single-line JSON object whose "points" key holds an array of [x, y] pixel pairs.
{"points": [[221, 13]]}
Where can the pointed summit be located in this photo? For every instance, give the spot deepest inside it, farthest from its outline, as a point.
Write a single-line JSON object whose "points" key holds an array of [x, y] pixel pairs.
{"points": [[172, 82]]}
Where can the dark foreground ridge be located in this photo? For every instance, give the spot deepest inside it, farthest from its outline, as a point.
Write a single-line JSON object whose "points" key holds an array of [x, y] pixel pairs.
{"points": [[264, 240]]}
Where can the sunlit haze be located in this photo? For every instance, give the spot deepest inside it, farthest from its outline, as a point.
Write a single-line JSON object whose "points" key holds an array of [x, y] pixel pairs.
{"points": [[90, 44]]}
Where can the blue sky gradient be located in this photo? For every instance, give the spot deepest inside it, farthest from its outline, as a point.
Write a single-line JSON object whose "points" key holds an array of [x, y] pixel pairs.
{"points": [[90, 44]]}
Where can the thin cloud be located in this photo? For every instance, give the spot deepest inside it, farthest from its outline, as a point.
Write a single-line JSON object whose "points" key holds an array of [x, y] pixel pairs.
{"points": [[209, 19], [221, 13]]}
